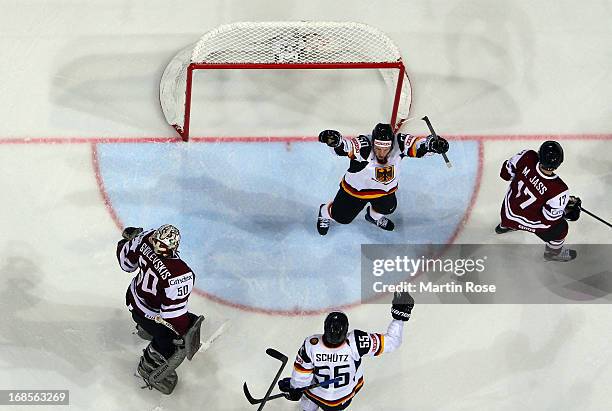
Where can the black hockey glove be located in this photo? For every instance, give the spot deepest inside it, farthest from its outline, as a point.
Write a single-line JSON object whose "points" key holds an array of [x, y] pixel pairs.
{"points": [[130, 232], [572, 209], [402, 306], [436, 145], [292, 394], [330, 137]]}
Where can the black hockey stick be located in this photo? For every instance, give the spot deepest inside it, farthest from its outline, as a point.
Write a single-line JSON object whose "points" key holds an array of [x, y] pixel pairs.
{"points": [[433, 133], [597, 218], [283, 359], [285, 394]]}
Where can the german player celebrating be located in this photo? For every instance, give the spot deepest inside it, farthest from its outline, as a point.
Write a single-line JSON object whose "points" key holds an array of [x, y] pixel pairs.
{"points": [[157, 298], [373, 173], [538, 200], [337, 354]]}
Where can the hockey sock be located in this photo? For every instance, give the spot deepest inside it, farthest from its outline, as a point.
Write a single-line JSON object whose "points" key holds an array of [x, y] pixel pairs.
{"points": [[555, 245], [375, 215], [325, 211]]}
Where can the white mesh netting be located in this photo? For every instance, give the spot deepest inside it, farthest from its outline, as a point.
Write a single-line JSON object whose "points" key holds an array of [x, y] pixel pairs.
{"points": [[283, 43]]}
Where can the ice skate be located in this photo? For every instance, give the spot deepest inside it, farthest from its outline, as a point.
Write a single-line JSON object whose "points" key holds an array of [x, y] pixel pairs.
{"points": [[562, 255], [322, 222], [502, 230], [382, 222]]}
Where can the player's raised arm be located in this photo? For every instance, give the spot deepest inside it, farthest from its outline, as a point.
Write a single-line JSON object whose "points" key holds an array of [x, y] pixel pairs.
{"points": [[375, 344], [126, 248], [413, 146], [355, 148]]}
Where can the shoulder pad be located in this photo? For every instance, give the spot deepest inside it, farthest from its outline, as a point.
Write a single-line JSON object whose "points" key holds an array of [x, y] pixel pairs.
{"points": [[312, 340]]}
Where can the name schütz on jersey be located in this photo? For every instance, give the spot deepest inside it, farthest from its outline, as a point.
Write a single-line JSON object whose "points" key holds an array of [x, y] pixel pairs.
{"points": [[157, 263], [331, 357]]}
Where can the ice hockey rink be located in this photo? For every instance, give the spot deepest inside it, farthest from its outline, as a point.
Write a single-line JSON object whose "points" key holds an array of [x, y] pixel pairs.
{"points": [[81, 157]]}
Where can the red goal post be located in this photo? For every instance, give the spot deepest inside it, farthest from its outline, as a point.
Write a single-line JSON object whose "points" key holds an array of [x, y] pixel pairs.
{"points": [[284, 45]]}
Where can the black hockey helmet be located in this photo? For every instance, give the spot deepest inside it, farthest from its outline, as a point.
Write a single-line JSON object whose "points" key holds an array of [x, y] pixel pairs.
{"points": [[335, 328], [382, 135], [550, 155]]}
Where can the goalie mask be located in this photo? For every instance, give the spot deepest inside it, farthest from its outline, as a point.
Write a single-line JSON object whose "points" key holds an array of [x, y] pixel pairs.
{"points": [[165, 240], [335, 328]]}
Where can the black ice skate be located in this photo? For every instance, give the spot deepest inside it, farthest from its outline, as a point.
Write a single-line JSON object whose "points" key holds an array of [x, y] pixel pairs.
{"points": [[502, 230], [382, 222], [563, 254], [322, 222]]}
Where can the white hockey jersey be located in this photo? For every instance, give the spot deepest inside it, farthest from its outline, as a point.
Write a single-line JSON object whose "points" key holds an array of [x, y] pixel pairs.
{"points": [[366, 177], [316, 362]]}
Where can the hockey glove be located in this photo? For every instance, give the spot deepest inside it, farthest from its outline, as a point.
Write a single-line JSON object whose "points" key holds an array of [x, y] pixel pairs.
{"points": [[330, 137], [130, 232], [572, 209], [436, 145], [292, 394], [402, 306]]}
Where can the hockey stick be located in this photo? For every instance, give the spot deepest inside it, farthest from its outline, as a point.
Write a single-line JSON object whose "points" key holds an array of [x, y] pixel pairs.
{"points": [[206, 345], [283, 359], [285, 394], [597, 218], [433, 133], [165, 323]]}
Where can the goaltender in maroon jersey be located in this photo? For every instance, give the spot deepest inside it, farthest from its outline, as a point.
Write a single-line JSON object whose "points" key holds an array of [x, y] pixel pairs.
{"points": [[163, 284]]}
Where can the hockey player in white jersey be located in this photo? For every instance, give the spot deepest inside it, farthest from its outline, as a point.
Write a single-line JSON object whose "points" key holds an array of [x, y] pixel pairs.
{"points": [[337, 354], [373, 173]]}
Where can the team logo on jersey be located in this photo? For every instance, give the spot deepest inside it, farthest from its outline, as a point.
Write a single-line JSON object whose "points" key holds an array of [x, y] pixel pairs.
{"points": [[314, 341], [385, 174]]}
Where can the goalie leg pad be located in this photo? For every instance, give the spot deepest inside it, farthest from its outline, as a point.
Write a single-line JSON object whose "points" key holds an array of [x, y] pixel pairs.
{"points": [[142, 333], [191, 339], [159, 372]]}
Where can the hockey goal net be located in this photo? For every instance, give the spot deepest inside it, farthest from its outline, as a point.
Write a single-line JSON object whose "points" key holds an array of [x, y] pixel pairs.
{"points": [[284, 45]]}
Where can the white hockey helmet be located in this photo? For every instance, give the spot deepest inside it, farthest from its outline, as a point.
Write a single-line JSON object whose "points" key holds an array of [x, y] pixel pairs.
{"points": [[165, 240]]}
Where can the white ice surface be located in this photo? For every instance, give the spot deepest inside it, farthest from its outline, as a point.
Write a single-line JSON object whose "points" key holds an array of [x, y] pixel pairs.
{"points": [[91, 69]]}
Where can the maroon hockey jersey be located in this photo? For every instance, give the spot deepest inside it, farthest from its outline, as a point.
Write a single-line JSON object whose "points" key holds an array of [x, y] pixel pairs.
{"points": [[534, 201], [162, 286]]}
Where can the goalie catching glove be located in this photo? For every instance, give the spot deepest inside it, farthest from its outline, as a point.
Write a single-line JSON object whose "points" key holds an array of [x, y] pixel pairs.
{"points": [[129, 233], [402, 306], [330, 137], [436, 145], [572, 209], [292, 394]]}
